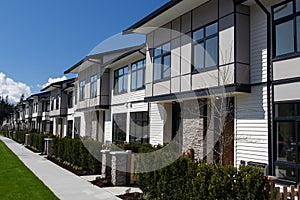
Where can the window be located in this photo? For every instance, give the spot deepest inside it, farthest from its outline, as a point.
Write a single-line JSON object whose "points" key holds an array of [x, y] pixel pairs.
{"points": [[77, 127], [93, 86], [57, 103], [205, 47], [139, 127], [121, 80], [70, 128], [81, 90], [76, 94], [286, 28], [119, 128], [138, 75], [70, 99], [287, 140], [162, 62], [52, 105]]}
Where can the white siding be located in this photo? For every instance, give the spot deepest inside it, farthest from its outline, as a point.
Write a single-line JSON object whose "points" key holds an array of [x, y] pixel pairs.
{"points": [[251, 126], [157, 116], [258, 45]]}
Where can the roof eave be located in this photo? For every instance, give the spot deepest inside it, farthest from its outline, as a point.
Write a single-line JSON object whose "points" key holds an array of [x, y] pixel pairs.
{"points": [[152, 15]]}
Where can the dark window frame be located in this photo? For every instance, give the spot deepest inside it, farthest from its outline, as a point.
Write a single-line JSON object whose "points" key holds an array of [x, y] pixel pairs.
{"points": [[57, 101], [136, 70], [203, 40], [116, 130], [70, 99], [93, 89], [82, 90], [117, 77], [161, 56], [295, 120], [134, 122], [275, 22]]}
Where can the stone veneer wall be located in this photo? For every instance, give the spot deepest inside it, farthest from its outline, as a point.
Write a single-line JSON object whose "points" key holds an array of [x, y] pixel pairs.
{"points": [[193, 127], [119, 168]]}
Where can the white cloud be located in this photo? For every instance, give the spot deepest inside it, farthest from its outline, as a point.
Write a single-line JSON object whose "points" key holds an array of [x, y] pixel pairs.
{"points": [[13, 89], [54, 80]]}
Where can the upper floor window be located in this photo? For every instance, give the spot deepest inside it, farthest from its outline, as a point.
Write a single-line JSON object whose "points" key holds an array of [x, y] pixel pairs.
{"points": [[162, 62], [52, 105], [205, 47], [81, 90], [70, 99], [121, 80], [93, 86], [57, 103], [286, 28], [138, 75], [75, 94]]}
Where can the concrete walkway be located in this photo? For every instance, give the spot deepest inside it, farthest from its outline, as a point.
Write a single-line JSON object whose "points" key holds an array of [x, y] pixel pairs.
{"points": [[64, 184]]}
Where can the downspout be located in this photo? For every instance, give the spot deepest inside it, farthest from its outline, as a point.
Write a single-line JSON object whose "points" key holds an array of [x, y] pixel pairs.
{"points": [[269, 81], [269, 84]]}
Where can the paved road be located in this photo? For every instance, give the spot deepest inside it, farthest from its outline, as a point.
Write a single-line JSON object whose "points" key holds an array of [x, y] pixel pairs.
{"points": [[64, 184]]}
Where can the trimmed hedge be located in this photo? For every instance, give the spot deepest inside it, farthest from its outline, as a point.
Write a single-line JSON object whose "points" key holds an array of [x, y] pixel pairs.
{"points": [[4, 133], [20, 136], [37, 142], [185, 179], [81, 155]]}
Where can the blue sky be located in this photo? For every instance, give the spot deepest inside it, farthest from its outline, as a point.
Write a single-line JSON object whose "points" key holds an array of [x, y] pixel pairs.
{"points": [[40, 39]]}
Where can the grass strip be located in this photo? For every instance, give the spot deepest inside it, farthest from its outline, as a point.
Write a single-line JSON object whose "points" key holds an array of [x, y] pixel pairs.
{"points": [[17, 181]]}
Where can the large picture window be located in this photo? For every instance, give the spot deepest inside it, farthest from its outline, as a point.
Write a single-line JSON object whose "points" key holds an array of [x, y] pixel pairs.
{"points": [[121, 80], [138, 75], [205, 47], [93, 86], [286, 28], [139, 127], [287, 140], [119, 128], [162, 62]]}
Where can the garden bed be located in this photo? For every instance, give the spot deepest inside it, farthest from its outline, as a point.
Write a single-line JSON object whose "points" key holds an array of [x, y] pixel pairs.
{"points": [[131, 196], [67, 166]]}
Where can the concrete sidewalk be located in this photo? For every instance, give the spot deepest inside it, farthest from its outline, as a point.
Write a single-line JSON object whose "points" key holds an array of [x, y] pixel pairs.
{"points": [[64, 184]]}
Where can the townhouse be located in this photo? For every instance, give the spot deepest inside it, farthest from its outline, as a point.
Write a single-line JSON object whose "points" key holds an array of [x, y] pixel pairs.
{"points": [[110, 91], [244, 52], [40, 105], [220, 76], [61, 112]]}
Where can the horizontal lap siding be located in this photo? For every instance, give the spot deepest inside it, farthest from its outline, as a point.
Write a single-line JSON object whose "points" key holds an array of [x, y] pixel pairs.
{"points": [[156, 124], [258, 45], [251, 141], [251, 125]]}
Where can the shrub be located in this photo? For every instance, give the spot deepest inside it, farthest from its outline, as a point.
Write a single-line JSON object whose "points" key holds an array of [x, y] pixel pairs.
{"points": [[185, 179], [75, 153], [20, 136], [37, 141]]}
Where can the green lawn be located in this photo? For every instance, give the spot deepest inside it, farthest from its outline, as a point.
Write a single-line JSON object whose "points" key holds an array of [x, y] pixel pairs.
{"points": [[17, 181]]}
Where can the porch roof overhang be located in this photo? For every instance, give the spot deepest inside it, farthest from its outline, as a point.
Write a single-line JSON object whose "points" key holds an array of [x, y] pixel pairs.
{"points": [[98, 59], [56, 85], [166, 13]]}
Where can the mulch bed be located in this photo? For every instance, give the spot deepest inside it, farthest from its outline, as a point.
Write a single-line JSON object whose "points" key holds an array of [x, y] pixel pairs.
{"points": [[132, 196], [69, 167], [102, 182]]}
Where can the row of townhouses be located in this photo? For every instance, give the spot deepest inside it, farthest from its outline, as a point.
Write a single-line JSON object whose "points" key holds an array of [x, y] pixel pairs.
{"points": [[199, 55]]}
